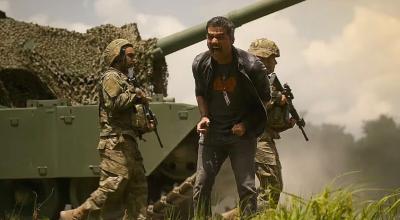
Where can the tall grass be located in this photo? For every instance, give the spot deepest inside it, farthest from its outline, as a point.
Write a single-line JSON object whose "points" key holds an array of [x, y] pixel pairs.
{"points": [[336, 204]]}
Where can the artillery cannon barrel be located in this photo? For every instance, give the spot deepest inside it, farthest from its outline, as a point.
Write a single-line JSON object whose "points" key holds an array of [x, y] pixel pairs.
{"points": [[195, 34]]}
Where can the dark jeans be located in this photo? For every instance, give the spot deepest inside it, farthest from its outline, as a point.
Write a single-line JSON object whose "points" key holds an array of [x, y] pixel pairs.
{"points": [[210, 158]]}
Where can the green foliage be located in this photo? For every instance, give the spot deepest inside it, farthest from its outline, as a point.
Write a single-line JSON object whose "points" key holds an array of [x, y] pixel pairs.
{"points": [[334, 204], [377, 153], [172, 213]]}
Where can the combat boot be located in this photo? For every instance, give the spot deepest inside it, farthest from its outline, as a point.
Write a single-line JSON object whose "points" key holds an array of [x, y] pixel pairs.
{"points": [[79, 213]]}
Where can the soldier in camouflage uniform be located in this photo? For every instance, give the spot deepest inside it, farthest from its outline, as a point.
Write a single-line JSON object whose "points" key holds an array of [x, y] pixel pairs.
{"points": [[268, 166], [122, 191]]}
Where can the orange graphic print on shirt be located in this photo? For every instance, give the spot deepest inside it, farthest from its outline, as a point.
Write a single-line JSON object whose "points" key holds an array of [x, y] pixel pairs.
{"points": [[227, 85]]}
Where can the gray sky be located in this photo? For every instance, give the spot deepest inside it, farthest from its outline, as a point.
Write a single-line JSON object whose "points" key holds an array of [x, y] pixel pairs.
{"points": [[341, 57]]}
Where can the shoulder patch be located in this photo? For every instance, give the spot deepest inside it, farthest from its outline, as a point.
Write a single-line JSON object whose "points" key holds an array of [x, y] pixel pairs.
{"points": [[111, 85]]}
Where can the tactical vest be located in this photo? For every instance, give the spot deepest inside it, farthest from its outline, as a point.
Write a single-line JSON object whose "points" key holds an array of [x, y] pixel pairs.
{"points": [[131, 121], [278, 116]]}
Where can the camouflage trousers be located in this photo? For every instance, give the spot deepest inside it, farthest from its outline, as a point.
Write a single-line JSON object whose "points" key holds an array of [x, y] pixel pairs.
{"points": [[268, 171], [122, 191]]}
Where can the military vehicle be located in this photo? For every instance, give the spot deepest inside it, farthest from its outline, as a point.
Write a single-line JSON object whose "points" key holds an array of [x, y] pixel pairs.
{"points": [[49, 115]]}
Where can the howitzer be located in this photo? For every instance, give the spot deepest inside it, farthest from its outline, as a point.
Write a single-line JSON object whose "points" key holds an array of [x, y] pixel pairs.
{"points": [[287, 91], [150, 116]]}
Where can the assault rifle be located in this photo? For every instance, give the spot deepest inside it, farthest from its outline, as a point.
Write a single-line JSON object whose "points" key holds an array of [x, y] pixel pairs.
{"points": [[287, 91], [150, 116]]}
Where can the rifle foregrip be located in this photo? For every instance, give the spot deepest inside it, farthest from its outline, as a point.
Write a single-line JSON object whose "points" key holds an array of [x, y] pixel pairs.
{"points": [[301, 123]]}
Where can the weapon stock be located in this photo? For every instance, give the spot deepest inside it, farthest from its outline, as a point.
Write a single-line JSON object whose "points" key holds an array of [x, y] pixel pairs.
{"points": [[287, 91]]}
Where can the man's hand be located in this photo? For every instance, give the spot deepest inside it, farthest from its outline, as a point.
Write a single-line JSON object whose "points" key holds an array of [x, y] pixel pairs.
{"points": [[152, 125], [141, 96], [292, 122], [202, 126], [283, 101], [239, 129]]}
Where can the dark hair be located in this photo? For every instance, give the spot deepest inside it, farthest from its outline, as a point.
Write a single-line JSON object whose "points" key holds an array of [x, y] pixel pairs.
{"points": [[223, 22]]}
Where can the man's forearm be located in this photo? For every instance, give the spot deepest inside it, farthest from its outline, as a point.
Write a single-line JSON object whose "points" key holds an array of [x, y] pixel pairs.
{"points": [[123, 101]]}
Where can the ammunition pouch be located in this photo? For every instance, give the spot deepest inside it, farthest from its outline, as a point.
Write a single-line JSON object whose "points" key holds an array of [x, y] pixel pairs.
{"points": [[278, 118], [140, 121]]}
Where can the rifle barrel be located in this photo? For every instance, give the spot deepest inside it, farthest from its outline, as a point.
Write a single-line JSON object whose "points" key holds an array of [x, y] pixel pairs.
{"points": [[158, 137], [304, 133]]}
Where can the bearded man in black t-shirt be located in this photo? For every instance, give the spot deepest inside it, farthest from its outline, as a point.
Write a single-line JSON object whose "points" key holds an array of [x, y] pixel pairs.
{"points": [[230, 86]]}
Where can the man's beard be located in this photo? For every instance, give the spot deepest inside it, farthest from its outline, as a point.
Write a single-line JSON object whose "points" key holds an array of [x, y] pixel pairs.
{"points": [[214, 48], [124, 66]]}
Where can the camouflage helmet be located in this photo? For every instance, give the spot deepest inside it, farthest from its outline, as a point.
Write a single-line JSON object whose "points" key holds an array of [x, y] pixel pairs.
{"points": [[264, 48], [112, 50]]}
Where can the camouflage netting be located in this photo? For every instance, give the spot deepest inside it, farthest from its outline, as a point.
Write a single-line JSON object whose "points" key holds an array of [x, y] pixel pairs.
{"points": [[40, 62], [2, 14]]}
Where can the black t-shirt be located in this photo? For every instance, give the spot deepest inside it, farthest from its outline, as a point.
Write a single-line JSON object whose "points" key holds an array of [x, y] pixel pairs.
{"points": [[227, 103]]}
